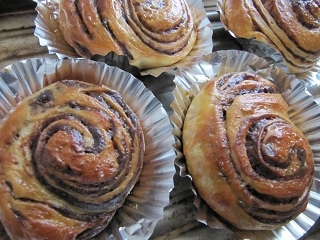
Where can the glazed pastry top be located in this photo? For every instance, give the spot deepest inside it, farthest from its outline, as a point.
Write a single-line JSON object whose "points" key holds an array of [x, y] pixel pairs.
{"points": [[69, 156]]}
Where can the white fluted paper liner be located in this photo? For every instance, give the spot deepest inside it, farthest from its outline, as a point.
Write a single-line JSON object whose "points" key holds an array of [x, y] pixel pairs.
{"points": [[49, 35], [304, 112], [144, 206]]}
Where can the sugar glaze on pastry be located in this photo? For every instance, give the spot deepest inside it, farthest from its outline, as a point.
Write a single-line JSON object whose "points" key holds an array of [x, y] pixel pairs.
{"points": [[150, 33], [69, 156], [247, 160], [292, 27]]}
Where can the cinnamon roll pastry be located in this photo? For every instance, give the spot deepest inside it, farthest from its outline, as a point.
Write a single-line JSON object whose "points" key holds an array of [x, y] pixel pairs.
{"points": [[247, 160], [69, 156], [292, 27], [150, 33]]}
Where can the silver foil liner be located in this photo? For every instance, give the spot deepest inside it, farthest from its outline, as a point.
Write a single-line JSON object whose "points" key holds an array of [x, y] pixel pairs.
{"points": [[144, 206], [48, 32], [210, 5], [304, 112]]}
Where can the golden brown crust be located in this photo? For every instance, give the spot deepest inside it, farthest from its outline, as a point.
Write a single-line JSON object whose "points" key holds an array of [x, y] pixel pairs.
{"points": [[290, 26], [246, 158], [150, 33], [69, 156]]}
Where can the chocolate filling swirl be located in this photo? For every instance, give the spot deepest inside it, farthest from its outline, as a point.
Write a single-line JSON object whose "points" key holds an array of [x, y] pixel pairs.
{"points": [[289, 26], [307, 12], [141, 30], [82, 149], [69, 144], [267, 150], [246, 158]]}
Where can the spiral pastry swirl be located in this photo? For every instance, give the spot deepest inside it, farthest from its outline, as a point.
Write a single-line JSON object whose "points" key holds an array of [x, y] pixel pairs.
{"points": [[69, 156], [150, 33], [247, 160], [292, 27]]}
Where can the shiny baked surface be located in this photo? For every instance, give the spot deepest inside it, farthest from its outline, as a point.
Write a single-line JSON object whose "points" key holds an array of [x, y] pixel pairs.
{"points": [[247, 160], [150, 33], [176, 220], [292, 27], [70, 154]]}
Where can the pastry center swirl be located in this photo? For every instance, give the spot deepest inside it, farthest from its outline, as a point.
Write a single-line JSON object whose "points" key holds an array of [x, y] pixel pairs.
{"points": [[254, 161], [308, 12], [72, 152], [159, 15], [73, 147], [160, 22], [275, 149], [86, 149]]}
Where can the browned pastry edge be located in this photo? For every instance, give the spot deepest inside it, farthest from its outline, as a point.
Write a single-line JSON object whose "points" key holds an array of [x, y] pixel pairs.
{"points": [[57, 174], [263, 21], [150, 34], [239, 179]]}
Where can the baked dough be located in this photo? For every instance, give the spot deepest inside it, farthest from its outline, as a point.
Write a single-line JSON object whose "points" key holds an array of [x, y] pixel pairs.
{"points": [[69, 156], [292, 27], [150, 33], [247, 160]]}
